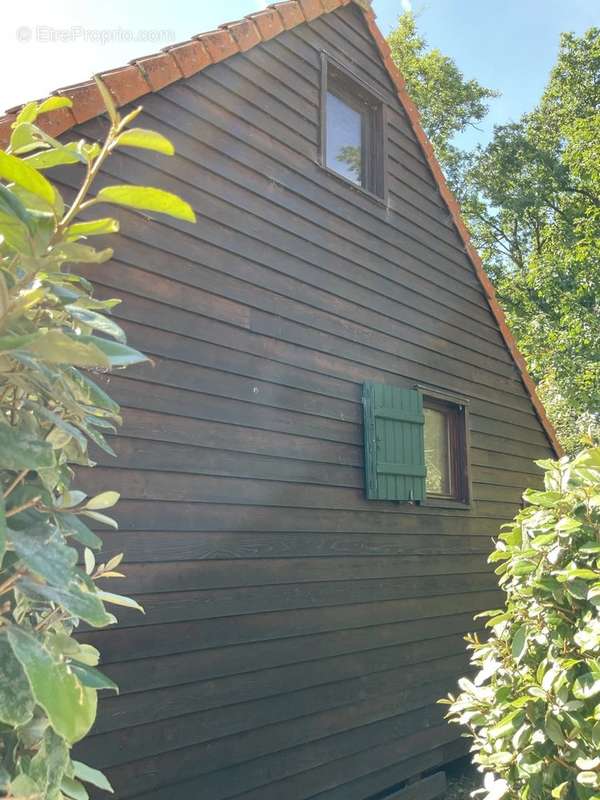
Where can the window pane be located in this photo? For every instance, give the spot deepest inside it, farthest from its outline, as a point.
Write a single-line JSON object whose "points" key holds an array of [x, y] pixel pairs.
{"points": [[437, 458], [344, 139]]}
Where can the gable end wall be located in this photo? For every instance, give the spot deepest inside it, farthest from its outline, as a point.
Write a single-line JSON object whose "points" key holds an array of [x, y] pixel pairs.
{"points": [[296, 636]]}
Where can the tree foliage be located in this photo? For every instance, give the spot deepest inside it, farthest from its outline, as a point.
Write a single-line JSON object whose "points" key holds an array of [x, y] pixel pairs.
{"points": [[531, 198], [533, 708], [448, 103], [54, 335]]}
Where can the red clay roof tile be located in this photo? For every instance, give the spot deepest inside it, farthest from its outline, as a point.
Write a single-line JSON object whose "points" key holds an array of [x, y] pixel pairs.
{"points": [[5, 127], [245, 33], [57, 122], [191, 57], [311, 8], [126, 84], [331, 5], [159, 70], [290, 13], [220, 44], [86, 98], [268, 23]]}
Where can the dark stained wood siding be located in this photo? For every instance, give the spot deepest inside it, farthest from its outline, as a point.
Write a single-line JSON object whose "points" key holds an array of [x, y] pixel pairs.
{"points": [[296, 636]]}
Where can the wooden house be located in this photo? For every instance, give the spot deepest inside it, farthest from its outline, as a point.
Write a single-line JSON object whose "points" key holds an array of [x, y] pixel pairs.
{"points": [[335, 423]]}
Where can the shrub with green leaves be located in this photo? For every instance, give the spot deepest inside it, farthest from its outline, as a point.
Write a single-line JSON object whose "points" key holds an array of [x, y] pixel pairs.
{"points": [[533, 708], [54, 335]]}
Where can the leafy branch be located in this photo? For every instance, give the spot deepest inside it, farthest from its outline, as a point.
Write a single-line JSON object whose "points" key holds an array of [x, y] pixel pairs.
{"points": [[54, 336]]}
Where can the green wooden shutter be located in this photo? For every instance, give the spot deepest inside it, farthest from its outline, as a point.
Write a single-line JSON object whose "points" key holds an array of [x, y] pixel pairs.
{"points": [[394, 446]]}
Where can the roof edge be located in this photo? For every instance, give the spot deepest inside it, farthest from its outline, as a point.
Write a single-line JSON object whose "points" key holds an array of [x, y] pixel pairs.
{"points": [[153, 72], [455, 212]]}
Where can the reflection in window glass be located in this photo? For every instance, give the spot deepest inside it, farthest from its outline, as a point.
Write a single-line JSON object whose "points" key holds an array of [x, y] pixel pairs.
{"points": [[344, 139], [437, 452]]}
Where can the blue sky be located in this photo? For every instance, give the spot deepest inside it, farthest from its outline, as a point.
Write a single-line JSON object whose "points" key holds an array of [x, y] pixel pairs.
{"points": [[508, 45]]}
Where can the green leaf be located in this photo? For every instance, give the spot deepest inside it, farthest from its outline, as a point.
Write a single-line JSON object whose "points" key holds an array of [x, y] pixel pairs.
{"points": [[545, 499], [103, 500], [147, 140], [71, 708], [15, 170], [118, 355], [108, 101], [89, 560], [74, 789], [519, 643], [101, 518], [97, 321], [55, 157], [53, 103], [92, 677], [120, 600], [507, 725], [8, 343], [16, 701], [96, 227], [89, 392], [81, 253], [48, 765], [56, 347], [596, 734], [87, 654], [71, 525], [58, 422], [85, 605], [584, 574], [554, 731], [3, 529], [28, 113], [43, 552], [586, 686], [587, 778], [147, 198], [589, 547], [20, 450], [594, 595], [14, 233], [10, 203], [91, 775], [24, 787]]}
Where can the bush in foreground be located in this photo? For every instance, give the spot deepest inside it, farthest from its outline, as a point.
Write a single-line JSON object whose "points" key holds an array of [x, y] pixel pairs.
{"points": [[533, 708]]}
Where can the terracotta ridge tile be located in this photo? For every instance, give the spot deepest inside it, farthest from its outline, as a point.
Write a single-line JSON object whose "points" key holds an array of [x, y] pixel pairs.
{"points": [[290, 13], [245, 32], [159, 69], [311, 8], [268, 22], [125, 84], [220, 44], [191, 56]]}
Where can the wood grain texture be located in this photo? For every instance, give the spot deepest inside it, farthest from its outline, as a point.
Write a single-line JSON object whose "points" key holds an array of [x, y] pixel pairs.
{"points": [[297, 636]]}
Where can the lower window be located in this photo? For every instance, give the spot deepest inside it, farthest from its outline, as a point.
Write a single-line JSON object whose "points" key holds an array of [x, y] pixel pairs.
{"points": [[416, 446]]}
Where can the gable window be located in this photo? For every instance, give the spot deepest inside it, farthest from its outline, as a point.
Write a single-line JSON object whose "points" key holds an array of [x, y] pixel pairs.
{"points": [[351, 128], [415, 446]]}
